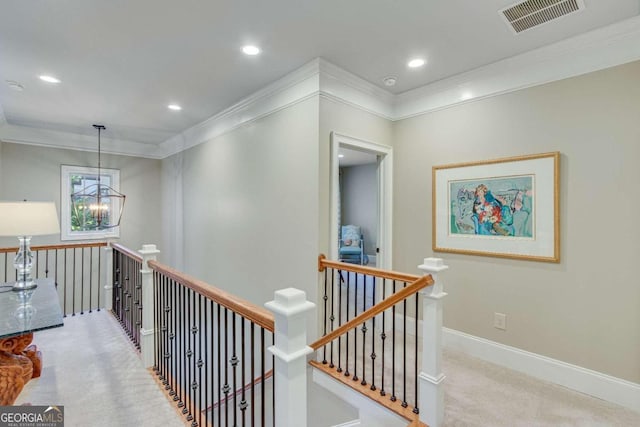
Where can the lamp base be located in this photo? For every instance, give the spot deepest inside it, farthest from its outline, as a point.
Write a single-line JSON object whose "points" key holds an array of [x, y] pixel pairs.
{"points": [[24, 286]]}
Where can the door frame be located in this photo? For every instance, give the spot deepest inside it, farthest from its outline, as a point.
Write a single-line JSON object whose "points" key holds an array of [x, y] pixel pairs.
{"points": [[384, 188]]}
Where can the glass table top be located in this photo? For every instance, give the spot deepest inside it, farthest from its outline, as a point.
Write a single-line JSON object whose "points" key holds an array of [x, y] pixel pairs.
{"points": [[22, 312]]}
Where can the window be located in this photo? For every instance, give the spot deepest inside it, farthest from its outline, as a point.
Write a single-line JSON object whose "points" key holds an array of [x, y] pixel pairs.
{"points": [[77, 221]]}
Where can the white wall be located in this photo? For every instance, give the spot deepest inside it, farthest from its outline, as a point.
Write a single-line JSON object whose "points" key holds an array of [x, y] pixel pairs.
{"points": [[586, 309], [33, 173], [250, 205], [359, 201]]}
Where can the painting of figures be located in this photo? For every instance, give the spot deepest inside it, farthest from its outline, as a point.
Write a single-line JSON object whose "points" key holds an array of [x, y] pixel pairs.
{"points": [[500, 207], [506, 207]]}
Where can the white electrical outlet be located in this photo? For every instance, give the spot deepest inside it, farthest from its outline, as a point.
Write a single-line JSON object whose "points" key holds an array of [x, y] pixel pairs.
{"points": [[500, 321]]}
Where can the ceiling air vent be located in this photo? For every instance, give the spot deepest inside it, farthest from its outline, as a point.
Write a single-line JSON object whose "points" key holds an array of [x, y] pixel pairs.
{"points": [[531, 13]]}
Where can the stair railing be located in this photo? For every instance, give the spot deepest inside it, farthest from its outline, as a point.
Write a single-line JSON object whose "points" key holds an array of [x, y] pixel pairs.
{"points": [[76, 268], [371, 335], [210, 351], [126, 291]]}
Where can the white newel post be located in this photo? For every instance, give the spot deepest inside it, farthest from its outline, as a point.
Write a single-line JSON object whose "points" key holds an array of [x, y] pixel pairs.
{"points": [[290, 308], [148, 253], [431, 378], [107, 277]]}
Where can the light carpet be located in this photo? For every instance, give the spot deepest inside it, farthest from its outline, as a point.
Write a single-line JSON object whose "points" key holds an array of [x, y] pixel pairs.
{"points": [[92, 369]]}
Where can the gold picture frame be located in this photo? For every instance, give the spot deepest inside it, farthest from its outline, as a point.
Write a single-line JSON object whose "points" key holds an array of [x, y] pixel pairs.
{"points": [[506, 208]]}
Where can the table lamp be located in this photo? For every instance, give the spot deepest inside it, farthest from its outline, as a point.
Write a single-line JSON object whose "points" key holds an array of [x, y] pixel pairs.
{"points": [[26, 219]]}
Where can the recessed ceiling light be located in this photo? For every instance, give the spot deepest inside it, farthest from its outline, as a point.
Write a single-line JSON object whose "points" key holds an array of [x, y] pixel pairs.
{"points": [[15, 85], [340, 155], [251, 50], [415, 63], [466, 95], [49, 79], [390, 81], [174, 107]]}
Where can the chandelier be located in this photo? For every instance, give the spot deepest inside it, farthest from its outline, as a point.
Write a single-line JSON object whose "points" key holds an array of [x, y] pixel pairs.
{"points": [[103, 204]]}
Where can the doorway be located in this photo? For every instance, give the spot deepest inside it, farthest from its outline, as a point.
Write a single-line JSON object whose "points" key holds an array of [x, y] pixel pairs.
{"points": [[362, 161]]}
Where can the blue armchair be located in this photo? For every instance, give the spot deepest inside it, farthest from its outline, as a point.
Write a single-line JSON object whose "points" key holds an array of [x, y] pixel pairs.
{"points": [[351, 245]]}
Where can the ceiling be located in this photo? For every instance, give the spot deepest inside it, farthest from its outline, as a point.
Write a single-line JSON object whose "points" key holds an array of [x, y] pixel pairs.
{"points": [[122, 62]]}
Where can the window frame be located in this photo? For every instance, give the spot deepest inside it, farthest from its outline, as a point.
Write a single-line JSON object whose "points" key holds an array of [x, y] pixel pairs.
{"points": [[66, 233]]}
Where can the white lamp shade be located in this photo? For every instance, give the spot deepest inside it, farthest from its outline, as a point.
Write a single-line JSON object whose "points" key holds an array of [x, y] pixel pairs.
{"points": [[28, 218]]}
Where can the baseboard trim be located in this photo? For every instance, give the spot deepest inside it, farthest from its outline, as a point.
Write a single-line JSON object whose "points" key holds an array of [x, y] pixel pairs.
{"points": [[602, 386], [354, 423]]}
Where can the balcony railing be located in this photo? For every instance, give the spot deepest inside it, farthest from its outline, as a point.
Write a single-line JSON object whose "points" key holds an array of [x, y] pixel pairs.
{"points": [[76, 268]]}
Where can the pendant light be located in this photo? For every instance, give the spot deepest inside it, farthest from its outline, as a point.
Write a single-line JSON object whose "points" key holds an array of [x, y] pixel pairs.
{"points": [[103, 203]]}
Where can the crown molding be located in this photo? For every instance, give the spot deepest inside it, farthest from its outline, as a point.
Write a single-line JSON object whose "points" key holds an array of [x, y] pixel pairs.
{"points": [[339, 84], [72, 141], [317, 77], [596, 50]]}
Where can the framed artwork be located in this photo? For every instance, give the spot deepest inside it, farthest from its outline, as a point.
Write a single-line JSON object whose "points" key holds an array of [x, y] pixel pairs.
{"points": [[505, 208]]}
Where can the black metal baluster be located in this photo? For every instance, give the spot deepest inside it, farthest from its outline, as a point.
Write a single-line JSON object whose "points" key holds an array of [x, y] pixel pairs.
{"points": [[264, 379], [332, 317], [346, 365], [383, 337], [209, 358], [234, 364], [364, 326], [324, 322], [192, 355], [169, 290], [158, 283], [415, 366], [404, 352], [201, 315], [355, 330], [253, 375], [100, 276], [243, 356], [155, 322], [73, 297], [373, 338], [226, 387], [158, 344], [64, 304], [138, 313], [46, 267], [189, 361], [163, 331], [183, 347], [339, 320], [393, 348], [273, 384], [82, 281], [91, 279], [219, 398], [173, 293]]}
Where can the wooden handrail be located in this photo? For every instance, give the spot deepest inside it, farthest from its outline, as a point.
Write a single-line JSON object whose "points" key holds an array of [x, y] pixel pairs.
{"points": [[128, 252], [323, 263], [386, 303], [59, 246], [256, 314]]}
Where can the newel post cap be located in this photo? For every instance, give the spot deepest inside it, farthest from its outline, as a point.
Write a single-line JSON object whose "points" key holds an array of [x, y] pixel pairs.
{"points": [[433, 265], [149, 249], [289, 301]]}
